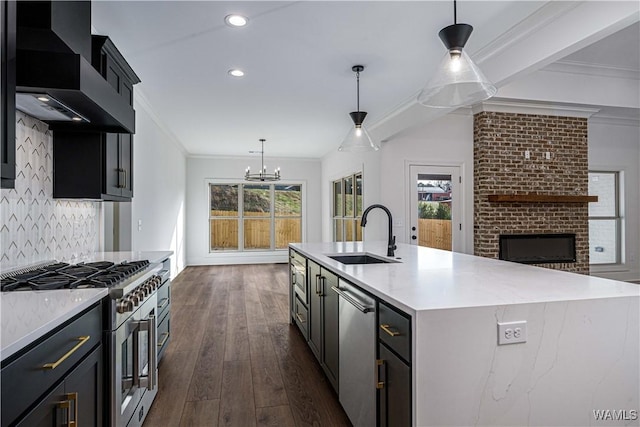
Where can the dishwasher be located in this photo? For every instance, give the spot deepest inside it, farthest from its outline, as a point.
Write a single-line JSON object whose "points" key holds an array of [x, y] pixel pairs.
{"points": [[357, 331]]}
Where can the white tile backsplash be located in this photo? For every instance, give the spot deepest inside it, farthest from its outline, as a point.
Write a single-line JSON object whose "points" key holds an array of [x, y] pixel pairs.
{"points": [[35, 227]]}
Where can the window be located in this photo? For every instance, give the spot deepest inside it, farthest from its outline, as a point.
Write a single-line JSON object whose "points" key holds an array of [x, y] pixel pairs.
{"points": [[347, 208], [245, 217], [605, 218]]}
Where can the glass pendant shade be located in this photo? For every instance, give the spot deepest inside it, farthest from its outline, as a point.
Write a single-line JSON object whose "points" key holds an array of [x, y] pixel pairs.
{"points": [[456, 83], [358, 140]]}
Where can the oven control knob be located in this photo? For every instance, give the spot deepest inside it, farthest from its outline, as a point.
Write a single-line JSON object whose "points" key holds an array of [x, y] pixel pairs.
{"points": [[124, 305], [135, 298]]}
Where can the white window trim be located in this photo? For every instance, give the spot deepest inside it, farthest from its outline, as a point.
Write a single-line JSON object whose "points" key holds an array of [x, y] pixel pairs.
{"points": [[252, 256], [621, 264]]}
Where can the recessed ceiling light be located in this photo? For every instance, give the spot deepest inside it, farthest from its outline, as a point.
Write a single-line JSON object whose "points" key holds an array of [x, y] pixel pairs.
{"points": [[236, 20], [43, 99], [236, 73], [76, 119]]}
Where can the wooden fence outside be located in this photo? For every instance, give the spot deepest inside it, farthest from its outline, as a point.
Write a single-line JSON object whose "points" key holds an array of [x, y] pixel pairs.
{"points": [[435, 233], [257, 233]]}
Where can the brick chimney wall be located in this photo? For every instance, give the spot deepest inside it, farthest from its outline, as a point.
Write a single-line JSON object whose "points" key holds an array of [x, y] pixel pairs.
{"points": [[500, 167]]}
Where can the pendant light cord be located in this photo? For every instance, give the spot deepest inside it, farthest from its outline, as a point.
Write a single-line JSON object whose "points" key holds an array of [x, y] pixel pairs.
{"points": [[455, 13], [358, 90]]}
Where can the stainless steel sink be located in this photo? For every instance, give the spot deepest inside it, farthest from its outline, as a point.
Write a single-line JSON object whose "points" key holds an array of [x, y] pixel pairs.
{"points": [[361, 259]]}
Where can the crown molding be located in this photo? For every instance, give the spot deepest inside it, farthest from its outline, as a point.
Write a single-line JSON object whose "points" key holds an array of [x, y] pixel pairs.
{"points": [[536, 108], [574, 67], [606, 119]]}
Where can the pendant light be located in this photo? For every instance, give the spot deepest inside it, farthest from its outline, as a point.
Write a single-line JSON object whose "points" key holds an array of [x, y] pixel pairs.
{"points": [[358, 138], [457, 81], [262, 175]]}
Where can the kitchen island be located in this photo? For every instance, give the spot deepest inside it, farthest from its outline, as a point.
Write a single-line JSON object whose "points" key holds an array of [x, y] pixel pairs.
{"points": [[581, 349]]}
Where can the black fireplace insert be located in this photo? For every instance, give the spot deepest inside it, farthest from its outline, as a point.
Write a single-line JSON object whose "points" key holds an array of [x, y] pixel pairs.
{"points": [[538, 248]]}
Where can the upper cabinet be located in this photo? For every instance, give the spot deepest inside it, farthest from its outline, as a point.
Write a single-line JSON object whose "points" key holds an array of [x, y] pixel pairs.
{"points": [[8, 93], [112, 66]]}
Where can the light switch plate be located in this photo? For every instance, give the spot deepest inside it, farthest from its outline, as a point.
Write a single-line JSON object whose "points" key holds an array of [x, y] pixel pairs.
{"points": [[512, 332]]}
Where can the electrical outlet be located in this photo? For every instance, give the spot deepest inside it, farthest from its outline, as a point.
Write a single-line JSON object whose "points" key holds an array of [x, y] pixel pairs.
{"points": [[77, 230], [527, 155], [547, 155], [512, 332]]}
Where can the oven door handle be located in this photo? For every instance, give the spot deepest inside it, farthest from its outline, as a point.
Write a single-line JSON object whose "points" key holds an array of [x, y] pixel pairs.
{"points": [[150, 381]]}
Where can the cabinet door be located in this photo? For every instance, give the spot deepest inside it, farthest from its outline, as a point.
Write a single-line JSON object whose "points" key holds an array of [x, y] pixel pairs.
{"points": [[48, 413], [126, 164], [112, 173], [85, 382], [8, 93], [394, 398], [331, 343], [315, 309]]}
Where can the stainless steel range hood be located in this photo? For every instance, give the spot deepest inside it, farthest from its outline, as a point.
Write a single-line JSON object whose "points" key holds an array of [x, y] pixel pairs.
{"points": [[53, 60]]}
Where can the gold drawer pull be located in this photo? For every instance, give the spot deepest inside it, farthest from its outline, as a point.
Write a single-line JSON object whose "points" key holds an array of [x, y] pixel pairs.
{"points": [[66, 404], [300, 318], [82, 340], [389, 331], [379, 382], [164, 339]]}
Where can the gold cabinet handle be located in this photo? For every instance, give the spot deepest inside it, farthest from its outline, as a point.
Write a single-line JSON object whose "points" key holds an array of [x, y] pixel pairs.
{"points": [[165, 337], [81, 341], [389, 331], [72, 400], [163, 304], [379, 384], [300, 318]]}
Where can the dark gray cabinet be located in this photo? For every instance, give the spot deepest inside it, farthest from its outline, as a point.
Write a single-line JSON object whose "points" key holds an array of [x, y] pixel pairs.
{"points": [[394, 367], [78, 398], [8, 93], [58, 379], [323, 320], [315, 309], [394, 389], [92, 165]]}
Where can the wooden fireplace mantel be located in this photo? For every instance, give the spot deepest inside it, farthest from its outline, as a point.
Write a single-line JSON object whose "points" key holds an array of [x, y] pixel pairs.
{"points": [[540, 198]]}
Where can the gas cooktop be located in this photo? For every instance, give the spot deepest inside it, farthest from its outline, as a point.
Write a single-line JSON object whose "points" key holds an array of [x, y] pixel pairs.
{"points": [[102, 274]]}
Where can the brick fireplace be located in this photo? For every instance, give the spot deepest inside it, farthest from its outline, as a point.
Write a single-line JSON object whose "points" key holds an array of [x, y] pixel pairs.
{"points": [[525, 154]]}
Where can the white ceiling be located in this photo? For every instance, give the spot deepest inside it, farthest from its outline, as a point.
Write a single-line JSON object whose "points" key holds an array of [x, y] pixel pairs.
{"points": [[297, 56]]}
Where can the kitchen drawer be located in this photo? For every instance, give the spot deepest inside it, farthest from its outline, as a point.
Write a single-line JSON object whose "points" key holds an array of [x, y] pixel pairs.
{"points": [[296, 257], [164, 333], [300, 315], [26, 377], [164, 299], [395, 330]]}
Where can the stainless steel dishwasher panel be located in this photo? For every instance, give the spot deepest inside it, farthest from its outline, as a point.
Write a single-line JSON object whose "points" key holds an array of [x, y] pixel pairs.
{"points": [[357, 326]]}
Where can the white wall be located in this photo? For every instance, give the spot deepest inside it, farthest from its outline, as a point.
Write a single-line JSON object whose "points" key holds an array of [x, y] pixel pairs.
{"points": [[617, 147], [447, 141], [159, 189], [202, 169]]}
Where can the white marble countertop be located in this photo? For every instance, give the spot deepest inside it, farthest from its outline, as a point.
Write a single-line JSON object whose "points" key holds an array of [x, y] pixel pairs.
{"points": [[431, 279], [26, 316], [152, 256]]}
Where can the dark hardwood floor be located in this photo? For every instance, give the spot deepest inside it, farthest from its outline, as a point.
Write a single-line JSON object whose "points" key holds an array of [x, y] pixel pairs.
{"points": [[234, 359]]}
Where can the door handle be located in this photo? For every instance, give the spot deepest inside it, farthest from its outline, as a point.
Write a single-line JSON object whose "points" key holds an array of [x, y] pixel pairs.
{"points": [[413, 237], [413, 229], [318, 284]]}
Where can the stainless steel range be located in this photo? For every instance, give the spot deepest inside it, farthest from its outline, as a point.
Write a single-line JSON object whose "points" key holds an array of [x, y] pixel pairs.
{"points": [[129, 325]]}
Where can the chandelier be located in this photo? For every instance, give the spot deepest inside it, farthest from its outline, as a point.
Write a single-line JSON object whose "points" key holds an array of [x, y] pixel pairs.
{"points": [[262, 175]]}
